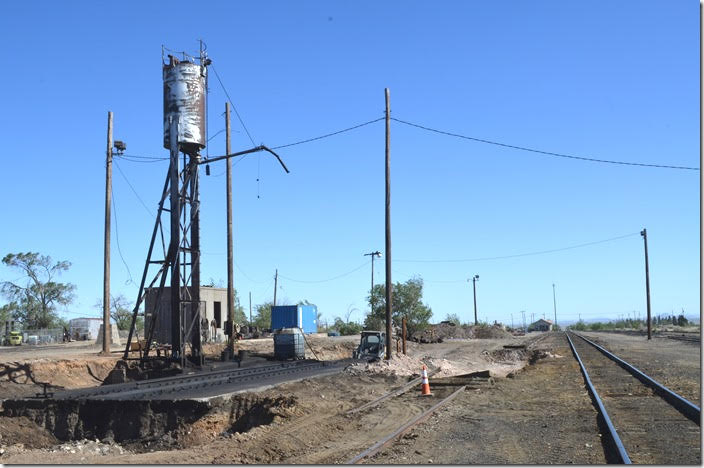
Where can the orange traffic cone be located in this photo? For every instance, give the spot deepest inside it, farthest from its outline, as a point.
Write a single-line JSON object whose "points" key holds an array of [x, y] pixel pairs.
{"points": [[425, 386]]}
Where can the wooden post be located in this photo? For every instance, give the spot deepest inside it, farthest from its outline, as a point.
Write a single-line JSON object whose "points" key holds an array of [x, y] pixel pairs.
{"points": [[276, 282], [106, 248], [389, 293], [644, 233], [230, 287], [403, 333]]}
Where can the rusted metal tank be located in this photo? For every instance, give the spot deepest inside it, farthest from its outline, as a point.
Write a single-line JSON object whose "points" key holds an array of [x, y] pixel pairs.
{"points": [[184, 96]]}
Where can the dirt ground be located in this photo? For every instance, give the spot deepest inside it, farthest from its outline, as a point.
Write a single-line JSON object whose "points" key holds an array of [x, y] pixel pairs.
{"points": [[536, 411], [675, 364]]}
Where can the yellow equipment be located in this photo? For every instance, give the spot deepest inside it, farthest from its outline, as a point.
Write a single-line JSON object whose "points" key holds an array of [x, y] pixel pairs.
{"points": [[15, 338]]}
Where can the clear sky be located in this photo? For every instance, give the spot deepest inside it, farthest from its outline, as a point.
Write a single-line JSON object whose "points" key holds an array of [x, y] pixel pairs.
{"points": [[601, 79]]}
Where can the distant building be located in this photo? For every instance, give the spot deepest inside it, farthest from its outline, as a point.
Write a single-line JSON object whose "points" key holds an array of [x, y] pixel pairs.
{"points": [[540, 325], [213, 308]]}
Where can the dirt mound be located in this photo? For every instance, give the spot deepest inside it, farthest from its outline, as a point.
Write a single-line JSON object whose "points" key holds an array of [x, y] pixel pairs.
{"points": [[23, 431], [445, 331], [400, 365], [493, 332], [18, 379]]}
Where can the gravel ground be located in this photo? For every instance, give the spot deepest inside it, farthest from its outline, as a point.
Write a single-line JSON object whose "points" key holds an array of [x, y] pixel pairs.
{"points": [[541, 415], [675, 364]]}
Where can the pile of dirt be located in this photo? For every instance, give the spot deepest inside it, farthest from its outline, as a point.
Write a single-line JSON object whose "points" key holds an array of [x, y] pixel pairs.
{"points": [[400, 365], [21, 379], [492, 332], [23, 431], [437, 333], [327, 349]]}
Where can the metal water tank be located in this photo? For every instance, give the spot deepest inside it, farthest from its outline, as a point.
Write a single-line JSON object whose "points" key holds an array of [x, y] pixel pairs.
{"points": [[288, 344], [185, 96]]}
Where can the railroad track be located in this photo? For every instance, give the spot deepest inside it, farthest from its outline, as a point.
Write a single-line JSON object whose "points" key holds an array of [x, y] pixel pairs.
{"points": [[455, 385], [206, 384], [642, 421]]}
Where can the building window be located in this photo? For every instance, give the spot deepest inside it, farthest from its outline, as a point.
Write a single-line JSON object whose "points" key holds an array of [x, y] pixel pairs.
{"points": [[216, 313]]}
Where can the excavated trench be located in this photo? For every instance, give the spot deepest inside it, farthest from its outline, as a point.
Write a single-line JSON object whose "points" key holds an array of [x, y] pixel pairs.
{"points": [[147, 423]]}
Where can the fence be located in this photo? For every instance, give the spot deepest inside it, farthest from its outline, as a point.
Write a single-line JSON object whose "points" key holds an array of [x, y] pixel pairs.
{"points": [[42, 336]]}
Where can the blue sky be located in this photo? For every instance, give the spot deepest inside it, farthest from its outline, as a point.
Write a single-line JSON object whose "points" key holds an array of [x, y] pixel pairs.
{"points": [[608, 80]]}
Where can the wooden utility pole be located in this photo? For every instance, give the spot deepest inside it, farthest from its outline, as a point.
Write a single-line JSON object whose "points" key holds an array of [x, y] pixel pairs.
{"points": [[474, 289], [644, 233], [554, 303], [230, 331], [388, 225], [106, 248], [403, 333], [250, 307], [276, 282]]}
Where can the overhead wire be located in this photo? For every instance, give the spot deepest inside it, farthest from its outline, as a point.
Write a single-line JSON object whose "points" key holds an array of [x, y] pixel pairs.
{"points": [[548, 153], [328, 279], [232, 104], [133, 190], [117, 238], [541, 252], [329, 134]]}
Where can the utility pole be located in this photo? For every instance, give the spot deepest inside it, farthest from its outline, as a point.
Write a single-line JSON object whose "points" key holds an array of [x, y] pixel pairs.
{"points": [[523, 312], [388, 225], [644, 233], [250, 307], [371, 290], [403, 333], [230, 286], [554, 303], [511, 321], [475, 278], [106, 249], [276, 282]]}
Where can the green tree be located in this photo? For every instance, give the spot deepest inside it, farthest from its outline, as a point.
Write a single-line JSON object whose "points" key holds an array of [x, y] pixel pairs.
{"points": [[406, 302], [346, 328], [453, 318], [263, 317], [121, 312], [40, 295]]}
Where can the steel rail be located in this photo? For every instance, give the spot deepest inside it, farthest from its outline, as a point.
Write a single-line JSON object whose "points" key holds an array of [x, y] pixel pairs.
{"points": [[623, 455], [399, 391], [683, 405], [402, 430], [195, 381]]}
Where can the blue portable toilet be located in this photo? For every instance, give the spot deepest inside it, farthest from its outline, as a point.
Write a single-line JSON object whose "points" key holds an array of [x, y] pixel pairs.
{"points": [[304, 317]]}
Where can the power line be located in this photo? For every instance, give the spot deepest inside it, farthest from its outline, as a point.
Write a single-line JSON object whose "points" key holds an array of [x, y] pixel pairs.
{"points": [[117, 237], [133, 190], [138, 158], [233, 106], [326, 280], [329, 134], [549, 153], [522, 254]]}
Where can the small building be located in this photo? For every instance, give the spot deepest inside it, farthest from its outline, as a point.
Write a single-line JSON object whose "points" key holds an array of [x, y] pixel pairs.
{"points": [[85, 328], [540, 325], [213, 309]]}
